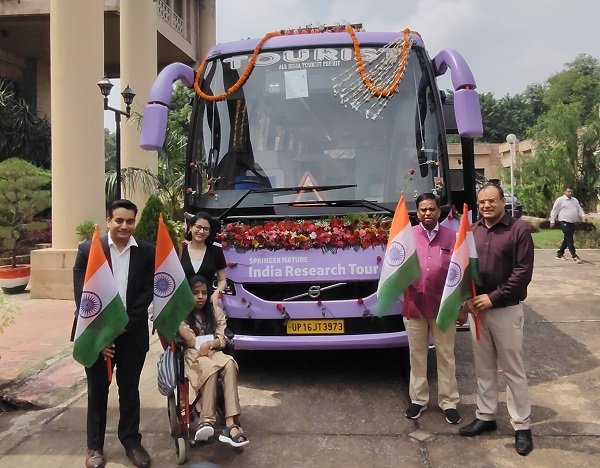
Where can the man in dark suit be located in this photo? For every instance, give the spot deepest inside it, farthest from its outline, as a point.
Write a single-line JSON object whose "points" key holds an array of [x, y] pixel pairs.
{"points": [[132, 264]]}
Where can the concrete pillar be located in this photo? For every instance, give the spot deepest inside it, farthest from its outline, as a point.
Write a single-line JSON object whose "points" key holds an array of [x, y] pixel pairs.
{"points": [[76, 65], [207, 33], [138, 24]]}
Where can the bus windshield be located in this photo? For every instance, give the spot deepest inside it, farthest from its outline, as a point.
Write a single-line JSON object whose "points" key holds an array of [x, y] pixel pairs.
{"points": [[286, 127]]}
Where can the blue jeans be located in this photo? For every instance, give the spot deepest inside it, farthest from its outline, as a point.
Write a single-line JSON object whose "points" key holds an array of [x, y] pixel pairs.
{"points": [[568, 230]]}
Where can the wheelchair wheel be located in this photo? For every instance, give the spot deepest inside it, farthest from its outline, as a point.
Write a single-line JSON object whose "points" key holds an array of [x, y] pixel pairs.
{"points": [[181, 450], [173, 415]]}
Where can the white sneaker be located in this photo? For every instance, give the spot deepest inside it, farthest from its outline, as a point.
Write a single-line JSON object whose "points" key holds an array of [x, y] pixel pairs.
{"points": [[204, 432], [577, 260]]}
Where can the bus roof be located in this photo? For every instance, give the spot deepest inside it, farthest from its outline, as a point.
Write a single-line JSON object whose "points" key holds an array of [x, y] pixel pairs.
{"points": [[330, 39]]}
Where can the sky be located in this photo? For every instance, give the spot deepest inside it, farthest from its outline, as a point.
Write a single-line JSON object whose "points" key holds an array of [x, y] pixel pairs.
{"points": [[508, 44]]}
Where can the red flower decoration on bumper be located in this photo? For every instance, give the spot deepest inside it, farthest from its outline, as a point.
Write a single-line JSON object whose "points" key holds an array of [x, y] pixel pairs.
{"points": [[306, 234]]}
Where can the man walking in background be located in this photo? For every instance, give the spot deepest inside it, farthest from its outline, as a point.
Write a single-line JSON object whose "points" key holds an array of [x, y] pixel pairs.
{"points": [[568, 212]]}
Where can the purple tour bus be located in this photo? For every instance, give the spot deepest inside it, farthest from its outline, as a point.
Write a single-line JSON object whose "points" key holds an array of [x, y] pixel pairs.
{"points": [[302, 156]]}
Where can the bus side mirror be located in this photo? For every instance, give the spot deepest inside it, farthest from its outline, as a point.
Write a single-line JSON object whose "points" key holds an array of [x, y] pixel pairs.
{"points": [[154, 127], [468, 113]]}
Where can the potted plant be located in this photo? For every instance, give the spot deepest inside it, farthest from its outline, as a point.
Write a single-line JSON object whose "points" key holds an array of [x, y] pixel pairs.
{"points": [[24, 191]]}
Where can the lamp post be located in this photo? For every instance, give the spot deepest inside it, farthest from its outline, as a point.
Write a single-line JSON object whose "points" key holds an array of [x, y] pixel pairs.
{"points": [[511, 139], [105, 86]]}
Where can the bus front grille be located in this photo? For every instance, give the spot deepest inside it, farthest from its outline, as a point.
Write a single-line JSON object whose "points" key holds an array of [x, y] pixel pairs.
{"points": [[295, 292]]}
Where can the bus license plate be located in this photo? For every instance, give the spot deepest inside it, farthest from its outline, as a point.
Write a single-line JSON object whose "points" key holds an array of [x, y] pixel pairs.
{"points": [[315, 327]]}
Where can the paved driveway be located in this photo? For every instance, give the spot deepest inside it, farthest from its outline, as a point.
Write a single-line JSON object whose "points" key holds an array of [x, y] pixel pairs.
{"points": [[344, 409]]}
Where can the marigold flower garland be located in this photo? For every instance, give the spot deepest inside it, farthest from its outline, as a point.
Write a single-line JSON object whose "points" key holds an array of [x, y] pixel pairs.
{"points": [[405, 50], [242, 79], [401, 65]]}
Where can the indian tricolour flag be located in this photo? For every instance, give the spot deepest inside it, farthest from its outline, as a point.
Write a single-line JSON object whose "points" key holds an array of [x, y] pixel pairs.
{"points": [[101, 316], [173, 298], [461, 274], [401, 264], [451, 221]]}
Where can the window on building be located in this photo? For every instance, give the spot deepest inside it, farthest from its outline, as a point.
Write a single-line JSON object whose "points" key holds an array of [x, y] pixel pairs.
{"points": [[179, 7]]}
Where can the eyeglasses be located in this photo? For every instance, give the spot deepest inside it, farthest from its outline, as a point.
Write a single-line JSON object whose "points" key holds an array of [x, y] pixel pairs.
{"points": [[201, 228], [492, 201]]}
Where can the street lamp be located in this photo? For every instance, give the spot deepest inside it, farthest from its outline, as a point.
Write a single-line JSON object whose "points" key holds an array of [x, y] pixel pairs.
{"points": [[105, 86], [511, 139]]}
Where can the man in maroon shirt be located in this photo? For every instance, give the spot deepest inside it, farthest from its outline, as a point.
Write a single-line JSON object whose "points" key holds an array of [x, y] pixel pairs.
{"points": [[505, 250], [422, 300]]}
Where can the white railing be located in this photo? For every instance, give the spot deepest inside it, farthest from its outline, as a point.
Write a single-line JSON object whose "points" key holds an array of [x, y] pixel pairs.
{"points": [[178, 24], [164, 11]]}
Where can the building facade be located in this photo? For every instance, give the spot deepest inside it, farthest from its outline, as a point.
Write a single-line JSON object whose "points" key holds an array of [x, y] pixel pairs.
{"points": [[53, 52], [185, 30], [490, 160]]}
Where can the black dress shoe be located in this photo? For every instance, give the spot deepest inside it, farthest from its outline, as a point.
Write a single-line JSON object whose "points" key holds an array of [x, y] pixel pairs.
{"points": [[478, 426], [95, 459], [523, 442], [138, 456]]}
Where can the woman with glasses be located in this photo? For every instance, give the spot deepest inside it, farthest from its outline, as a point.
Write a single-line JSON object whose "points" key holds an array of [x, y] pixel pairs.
{"points": [[200, 256]]}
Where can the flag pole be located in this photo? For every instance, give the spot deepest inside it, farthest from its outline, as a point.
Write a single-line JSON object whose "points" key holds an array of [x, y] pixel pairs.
{"points": [[466, 213], [475, 317], [109, 370]]}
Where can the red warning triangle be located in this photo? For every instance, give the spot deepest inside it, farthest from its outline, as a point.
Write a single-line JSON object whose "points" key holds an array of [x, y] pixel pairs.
{"points": [[308, 180]]}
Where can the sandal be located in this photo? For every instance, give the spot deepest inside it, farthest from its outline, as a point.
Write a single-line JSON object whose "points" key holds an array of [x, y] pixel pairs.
{"points": [[235, 441], [204, 432]]}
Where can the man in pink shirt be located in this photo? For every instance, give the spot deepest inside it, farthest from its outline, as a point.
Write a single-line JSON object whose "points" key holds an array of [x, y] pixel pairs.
{"points": [[422, 301]]}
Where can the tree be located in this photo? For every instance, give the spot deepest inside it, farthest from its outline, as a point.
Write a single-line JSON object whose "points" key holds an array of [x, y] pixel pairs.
{"points": [[580, 82], [168, 182], [21, 131], [567, 136], [171, 159], [110, 150], [24, 193], [511, 114], [147, 227]]}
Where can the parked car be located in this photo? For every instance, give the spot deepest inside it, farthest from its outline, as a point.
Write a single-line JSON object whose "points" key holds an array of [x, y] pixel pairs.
{"points": [[510, 199]]}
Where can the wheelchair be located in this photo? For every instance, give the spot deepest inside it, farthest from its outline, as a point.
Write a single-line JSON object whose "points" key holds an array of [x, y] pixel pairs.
{"points": [[182, 413]]}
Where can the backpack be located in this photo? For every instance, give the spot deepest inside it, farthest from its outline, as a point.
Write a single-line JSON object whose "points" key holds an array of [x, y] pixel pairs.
{"points": [[166, 374]]}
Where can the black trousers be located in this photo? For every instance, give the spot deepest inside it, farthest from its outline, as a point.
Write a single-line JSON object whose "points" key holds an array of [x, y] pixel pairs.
{"points": [[568, 230], [129, 361]]}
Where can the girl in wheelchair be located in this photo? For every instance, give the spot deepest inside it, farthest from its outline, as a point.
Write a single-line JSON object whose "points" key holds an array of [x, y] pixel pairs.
{"points": [[203, 335]]}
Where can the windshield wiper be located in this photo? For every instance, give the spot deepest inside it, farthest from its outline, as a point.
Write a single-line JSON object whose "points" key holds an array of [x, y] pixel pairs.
{"points": [[341, 203], [315, 188]]}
